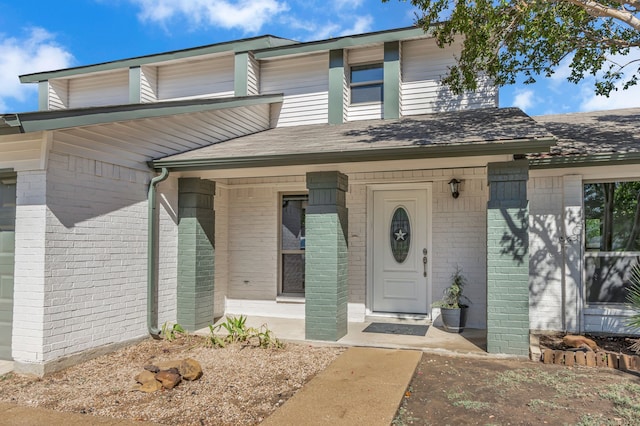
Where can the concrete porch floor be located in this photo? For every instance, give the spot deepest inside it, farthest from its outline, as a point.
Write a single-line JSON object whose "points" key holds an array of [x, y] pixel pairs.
{"points": [[470, 341]]}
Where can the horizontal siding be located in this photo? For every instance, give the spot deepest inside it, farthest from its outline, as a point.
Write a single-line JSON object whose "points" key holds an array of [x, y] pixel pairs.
{"points": [[253, 87], [304, 81], [100, 89], [133, 143], [204, 78], [365, 55], [423, 65], [148, 84], [58, 94], [364, 112], [21, 152]]}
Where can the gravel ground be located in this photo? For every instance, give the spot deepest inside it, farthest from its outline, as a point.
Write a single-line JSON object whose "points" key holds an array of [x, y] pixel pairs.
{"points": [[241, 385]]}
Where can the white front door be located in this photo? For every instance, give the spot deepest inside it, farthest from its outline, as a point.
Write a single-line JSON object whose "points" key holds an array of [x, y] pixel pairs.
{"points": [[400, 275]]}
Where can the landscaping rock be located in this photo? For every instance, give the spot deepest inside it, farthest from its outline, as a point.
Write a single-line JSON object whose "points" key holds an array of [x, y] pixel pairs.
{"points": [[145, 376], [150, 387], [168, 379], [153, 368], [165, 365], [190, 369]]}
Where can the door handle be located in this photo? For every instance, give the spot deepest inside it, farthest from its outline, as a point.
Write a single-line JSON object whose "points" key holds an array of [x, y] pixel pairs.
{"points": [[424, 261]]}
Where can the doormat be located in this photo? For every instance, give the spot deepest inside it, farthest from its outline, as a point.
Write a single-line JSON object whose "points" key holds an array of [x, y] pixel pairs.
{"points": [[390, 328]]}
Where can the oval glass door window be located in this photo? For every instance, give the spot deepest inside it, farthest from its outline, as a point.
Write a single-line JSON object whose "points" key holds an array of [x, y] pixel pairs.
{"points": [[400, 234]]}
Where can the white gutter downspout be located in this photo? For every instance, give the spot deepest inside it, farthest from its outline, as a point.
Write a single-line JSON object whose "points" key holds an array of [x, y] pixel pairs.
{"points": [[152, 307]]}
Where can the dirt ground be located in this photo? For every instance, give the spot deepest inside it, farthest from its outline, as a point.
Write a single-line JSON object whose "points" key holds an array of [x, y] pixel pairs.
{"points": [[476, 391], [241, 385]]}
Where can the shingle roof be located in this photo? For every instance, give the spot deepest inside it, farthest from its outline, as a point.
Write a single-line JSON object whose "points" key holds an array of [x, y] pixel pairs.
{"points": [[588, 133], [431, 133]]}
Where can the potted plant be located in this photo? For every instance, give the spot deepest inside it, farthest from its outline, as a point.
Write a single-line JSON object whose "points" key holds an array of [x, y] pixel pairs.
{"points": [[453, 306]]}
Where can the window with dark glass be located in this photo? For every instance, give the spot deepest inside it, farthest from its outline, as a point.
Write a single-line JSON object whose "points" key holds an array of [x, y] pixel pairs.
{"points": [[612, 239], [292, 240], [366, 83]]}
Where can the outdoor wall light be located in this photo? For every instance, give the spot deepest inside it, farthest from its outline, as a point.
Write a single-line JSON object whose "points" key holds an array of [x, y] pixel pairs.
{"points": [[454, 184]]}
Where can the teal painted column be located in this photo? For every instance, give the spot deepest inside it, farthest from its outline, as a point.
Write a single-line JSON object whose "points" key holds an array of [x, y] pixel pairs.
{"points": [[43, 95], [326, 257], [241, 74], [196, 253], [336, 86], [391, 80], [508, 259], [135, 85]]}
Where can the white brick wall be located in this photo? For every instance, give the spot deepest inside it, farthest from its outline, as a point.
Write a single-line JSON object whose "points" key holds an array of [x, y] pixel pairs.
{"points": [[167, 195], [81, 237], [545, 252], [29, 284], [221, 288]]}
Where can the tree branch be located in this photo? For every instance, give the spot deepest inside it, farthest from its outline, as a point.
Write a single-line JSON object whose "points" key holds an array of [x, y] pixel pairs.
{"points": [[599, 10]]}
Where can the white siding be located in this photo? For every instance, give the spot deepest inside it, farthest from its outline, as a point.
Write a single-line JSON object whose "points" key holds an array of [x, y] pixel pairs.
{"points": [[136, 142], [101, 89], [148, 84], [365, 55], [305, 84], [423, 64], [204, 78], [368, 111], [253, 87], [58, 94]]}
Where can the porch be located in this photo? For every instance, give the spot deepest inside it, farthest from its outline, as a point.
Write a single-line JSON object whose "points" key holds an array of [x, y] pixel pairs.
{"points": [[470, 341]]}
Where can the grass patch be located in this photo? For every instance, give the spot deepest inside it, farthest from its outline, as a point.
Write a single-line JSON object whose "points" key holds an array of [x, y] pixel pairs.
{"points": [[472, 405], [565, 382], [625, 399]]}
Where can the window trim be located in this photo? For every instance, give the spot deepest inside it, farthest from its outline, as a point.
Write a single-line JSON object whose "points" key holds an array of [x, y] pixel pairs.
{"points": [[281, 296], [369, 83]]}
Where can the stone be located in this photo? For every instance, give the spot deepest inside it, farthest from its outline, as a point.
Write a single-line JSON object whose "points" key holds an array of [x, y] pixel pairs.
{"points": [[165, 365], [168, 379], [154, 369], [145, 376], [581, 358], [190, 369], [569, 359], [576, 341], [558, 357], [591, 359], [150, 387]]}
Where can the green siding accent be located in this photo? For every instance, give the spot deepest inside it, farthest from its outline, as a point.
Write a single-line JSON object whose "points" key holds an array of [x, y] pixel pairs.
{"points": [[336, 86], [43, 95], [326, 257], [196, 253], [241, 72], [135, 74], [392, 80], [508, 259], [7, 260]]}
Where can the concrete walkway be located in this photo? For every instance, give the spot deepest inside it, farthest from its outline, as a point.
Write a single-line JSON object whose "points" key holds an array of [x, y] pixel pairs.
{"points": [[363, 386], [15, 415]]}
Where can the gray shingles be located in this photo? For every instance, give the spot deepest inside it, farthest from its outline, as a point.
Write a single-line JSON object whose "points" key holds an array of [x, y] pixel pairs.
{"points": [[431, 130], [601, 132]]}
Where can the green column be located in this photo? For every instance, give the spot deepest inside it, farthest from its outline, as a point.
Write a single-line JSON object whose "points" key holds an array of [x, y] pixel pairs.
{"points": [[241, 74], [508, 259], [392, 80], [336, 86], [196, 253], [135, 84], [326, 257]]}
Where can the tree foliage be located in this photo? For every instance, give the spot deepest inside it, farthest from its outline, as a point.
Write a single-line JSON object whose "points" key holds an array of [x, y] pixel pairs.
{"points": [[504, 39]]}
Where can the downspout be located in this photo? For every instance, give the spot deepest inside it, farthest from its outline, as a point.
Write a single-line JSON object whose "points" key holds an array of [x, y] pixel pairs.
{"points": [[152, 267]]}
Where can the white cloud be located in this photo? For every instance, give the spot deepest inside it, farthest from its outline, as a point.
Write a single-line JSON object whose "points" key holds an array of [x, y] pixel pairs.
{"points": [[36, 51], [524, 99], [362, 24], [351, 4], [248, 15]]}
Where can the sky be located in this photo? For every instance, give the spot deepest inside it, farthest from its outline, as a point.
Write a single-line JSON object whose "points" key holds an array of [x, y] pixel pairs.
{"points": [[44, 35]]}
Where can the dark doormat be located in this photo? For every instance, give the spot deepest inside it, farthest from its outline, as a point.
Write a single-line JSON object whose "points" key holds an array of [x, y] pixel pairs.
{"points": [[390, 328]]}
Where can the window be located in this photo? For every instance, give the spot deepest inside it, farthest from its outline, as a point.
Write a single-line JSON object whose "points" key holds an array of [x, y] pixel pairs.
{"points": [[366, 83], [292, 244], [612, 239]]}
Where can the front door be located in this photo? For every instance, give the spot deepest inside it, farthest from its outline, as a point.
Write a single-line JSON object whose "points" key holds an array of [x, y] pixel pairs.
{"points": [[399, 251], [7, 248]]}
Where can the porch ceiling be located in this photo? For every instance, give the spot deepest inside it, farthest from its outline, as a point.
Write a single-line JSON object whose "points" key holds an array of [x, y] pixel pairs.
{"points": [[477, 132]]}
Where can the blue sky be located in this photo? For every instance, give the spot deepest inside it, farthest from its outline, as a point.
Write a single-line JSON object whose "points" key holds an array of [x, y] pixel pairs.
{"points": [[42, 35]]}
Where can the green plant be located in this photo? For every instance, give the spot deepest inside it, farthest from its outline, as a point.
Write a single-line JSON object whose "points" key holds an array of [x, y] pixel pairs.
{"points": [[238, 332], [452, 297], [633, 298], [170, 332]]}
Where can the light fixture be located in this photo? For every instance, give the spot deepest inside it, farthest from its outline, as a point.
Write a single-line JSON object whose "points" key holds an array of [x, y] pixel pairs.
{"points": [[454, 184]]}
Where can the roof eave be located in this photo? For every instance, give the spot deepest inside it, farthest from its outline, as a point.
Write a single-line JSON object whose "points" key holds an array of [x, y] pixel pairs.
{"points": [[587, 160], [518, 146], [62, 119]]}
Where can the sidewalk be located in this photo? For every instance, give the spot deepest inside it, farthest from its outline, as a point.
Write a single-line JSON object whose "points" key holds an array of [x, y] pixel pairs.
{"points": [[363, 386]]}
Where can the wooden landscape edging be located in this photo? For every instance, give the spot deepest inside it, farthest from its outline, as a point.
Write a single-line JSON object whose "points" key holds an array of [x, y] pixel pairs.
{"points": [[591, 359]]}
